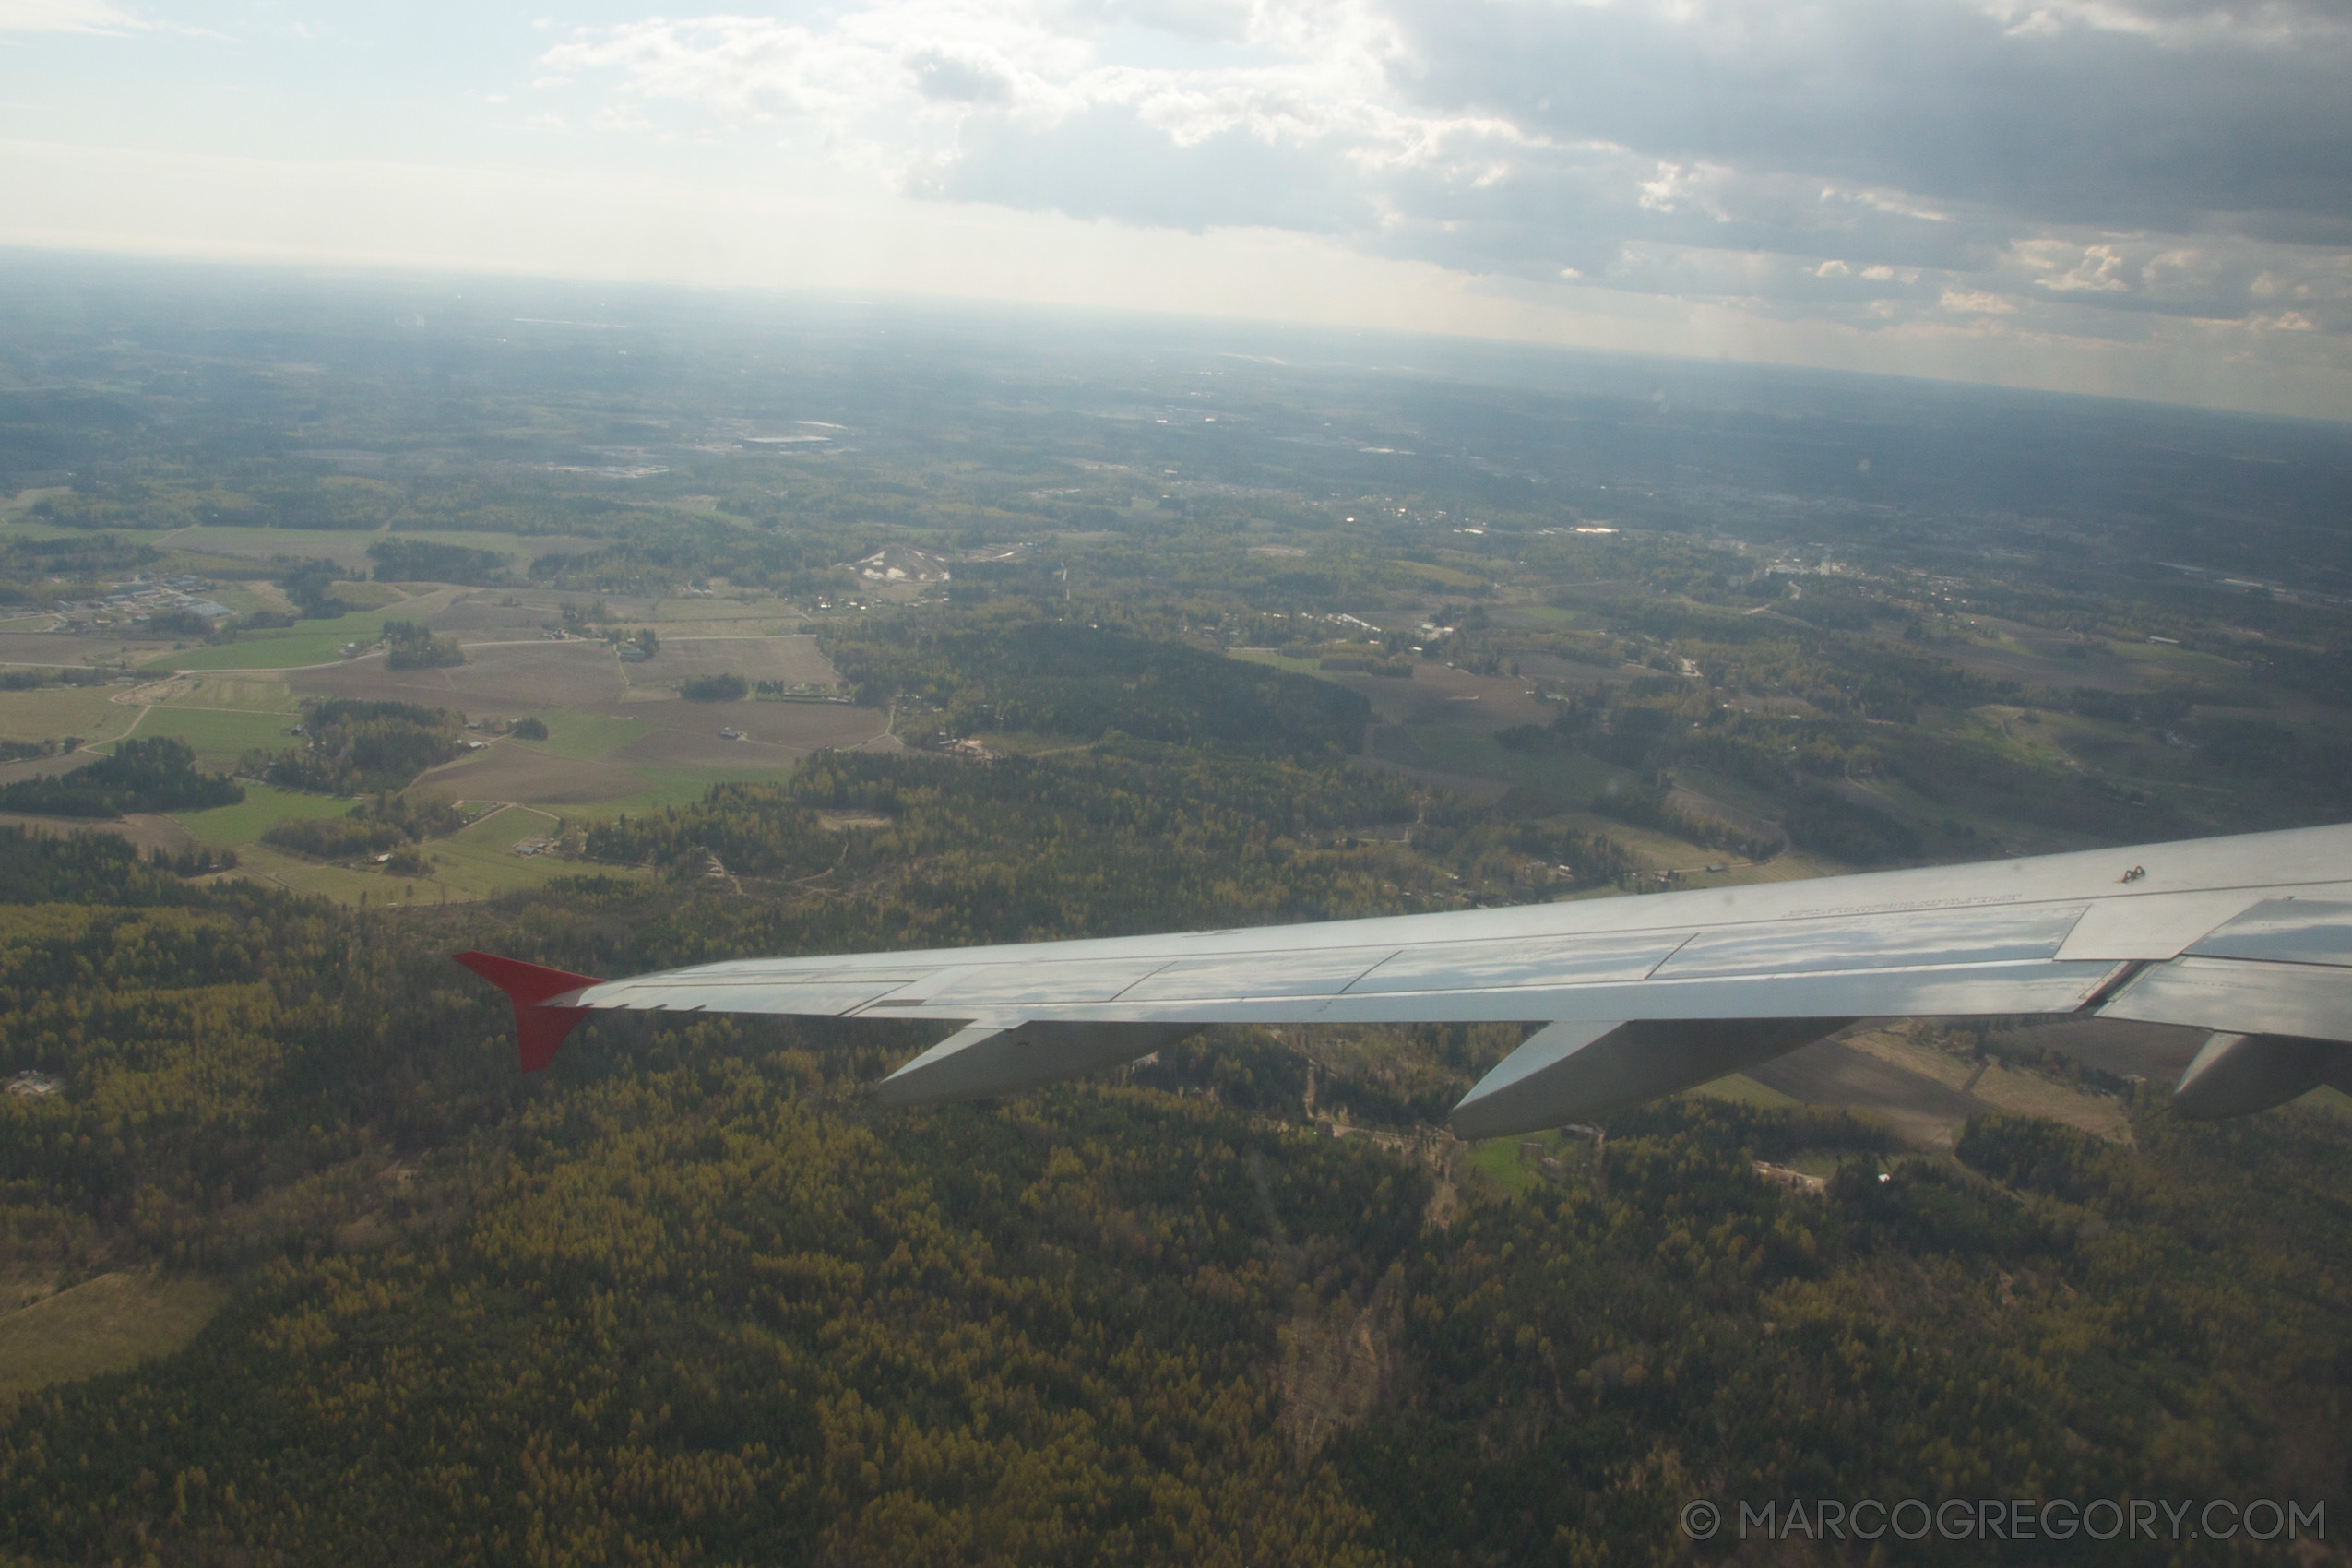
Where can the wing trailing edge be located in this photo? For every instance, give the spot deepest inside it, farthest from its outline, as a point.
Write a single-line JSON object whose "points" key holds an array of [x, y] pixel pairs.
{"points": [[1577, 1072], [990, 1060]]}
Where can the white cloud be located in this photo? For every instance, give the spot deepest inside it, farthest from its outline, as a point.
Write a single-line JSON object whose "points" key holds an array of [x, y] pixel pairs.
{"points": [[64, 16], [2096, 269], [894, 81], [2069, 169]]}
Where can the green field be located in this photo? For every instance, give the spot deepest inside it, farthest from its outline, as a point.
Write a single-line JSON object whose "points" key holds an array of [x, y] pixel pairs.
{"points": [[1744, 1090], [249, 693], [1549, 617], [109, 1323], [687, 612], [1445, 574], [516, 547], [1278, 661], [480, 862], [309, 642], [477, 862], [2180, 664], [674, 787], [50, 713], [345, 885], [1562, 777], [1499, 1162], [233, 827], [348, 546], [1822, 1164], [582, 735], [17, 523], [220, 738]]}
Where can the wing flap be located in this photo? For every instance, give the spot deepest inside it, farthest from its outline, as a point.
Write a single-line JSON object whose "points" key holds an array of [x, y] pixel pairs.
{"points": [[2241, 996], [2153, 927], [2236, 1075], [994, 988], [2040, 986], [988, 1058], [819, 1000], [1576, 1072], [2285, 931]]}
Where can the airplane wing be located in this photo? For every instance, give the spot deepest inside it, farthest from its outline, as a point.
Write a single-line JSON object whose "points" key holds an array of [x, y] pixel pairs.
{"points": [[2248, 937]]}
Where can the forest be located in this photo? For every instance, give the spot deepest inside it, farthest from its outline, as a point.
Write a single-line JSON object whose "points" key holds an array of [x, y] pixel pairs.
{"points": [[352, 746], [1016, 670], [684, 1301], [1126, 837], [155, 775]]}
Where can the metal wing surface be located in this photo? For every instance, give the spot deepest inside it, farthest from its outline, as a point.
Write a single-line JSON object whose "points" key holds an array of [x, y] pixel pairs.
{"points": [[2249, 937]]}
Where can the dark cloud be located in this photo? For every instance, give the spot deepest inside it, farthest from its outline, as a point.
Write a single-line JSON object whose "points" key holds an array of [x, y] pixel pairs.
{"points": [[2053, 122], [2058, 164]]}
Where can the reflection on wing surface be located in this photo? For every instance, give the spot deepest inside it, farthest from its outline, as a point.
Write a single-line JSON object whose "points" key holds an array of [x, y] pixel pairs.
{"points": [[1308, 973], [2288, 931], [1876, 942], [1480, 965]]}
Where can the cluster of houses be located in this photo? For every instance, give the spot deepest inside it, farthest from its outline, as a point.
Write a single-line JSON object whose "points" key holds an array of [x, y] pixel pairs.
{"points": [[136, 602], [33, 1084]]}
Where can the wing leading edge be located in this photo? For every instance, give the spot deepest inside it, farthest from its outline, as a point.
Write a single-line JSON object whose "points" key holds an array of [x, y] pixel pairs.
{"points": [[2248, 937]]}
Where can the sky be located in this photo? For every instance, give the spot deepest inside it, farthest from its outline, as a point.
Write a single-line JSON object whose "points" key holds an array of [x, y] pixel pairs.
{"points": [[2147, 198]]}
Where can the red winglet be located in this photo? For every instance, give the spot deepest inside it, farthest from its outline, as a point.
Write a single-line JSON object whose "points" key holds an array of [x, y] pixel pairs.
{"points": [[539, 1030]]}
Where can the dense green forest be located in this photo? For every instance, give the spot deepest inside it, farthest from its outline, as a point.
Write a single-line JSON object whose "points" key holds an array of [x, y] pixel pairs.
{"points": [[152, 775], [354, 747], [412, 647], [684, 1299], [388, 821], [1019, 672], [1124, 837]]}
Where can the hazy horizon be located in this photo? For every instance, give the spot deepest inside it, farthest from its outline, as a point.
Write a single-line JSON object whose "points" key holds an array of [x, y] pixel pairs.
{"points": [[1468, 358], [2138, 199]]}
